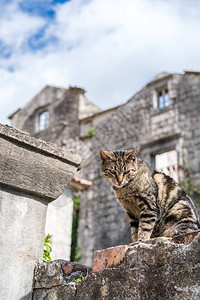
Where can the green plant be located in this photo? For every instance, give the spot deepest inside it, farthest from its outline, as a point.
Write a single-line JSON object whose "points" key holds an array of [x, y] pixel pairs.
{"points": [[91, 132], [48, 249], [79, 280]]}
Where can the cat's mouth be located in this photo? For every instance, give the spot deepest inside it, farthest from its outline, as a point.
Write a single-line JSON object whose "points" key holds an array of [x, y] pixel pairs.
{"points": [[123, 184], [120, 185]]}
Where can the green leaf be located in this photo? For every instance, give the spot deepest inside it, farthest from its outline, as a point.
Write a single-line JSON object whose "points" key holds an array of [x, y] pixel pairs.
{"points": [[47, 251]]}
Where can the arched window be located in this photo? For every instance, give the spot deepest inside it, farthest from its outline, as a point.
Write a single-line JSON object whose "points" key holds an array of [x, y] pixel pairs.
{"points": [[43, 120]]}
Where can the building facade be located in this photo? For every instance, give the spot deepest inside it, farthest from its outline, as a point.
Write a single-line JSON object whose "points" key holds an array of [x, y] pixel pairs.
{"points": [[163, 120]]}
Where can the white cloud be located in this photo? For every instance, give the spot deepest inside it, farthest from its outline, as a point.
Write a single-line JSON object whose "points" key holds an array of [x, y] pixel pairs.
{"points": [[109, 47], [16, 26]]}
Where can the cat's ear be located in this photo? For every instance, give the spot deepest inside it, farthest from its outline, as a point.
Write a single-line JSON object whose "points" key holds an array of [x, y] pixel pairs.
{"points": [[105, 155], [131, 154]]}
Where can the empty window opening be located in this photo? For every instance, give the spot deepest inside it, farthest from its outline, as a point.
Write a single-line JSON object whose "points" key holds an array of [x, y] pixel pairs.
{"points": [[43, 120], [167, 162]]}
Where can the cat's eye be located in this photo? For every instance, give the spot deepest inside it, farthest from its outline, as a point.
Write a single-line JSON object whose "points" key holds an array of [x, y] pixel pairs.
{"points": [[126, 172], [112, 171]]}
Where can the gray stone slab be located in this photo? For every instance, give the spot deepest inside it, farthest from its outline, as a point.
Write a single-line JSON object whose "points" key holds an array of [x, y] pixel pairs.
{"points": [[19, 136], [34, 166]]}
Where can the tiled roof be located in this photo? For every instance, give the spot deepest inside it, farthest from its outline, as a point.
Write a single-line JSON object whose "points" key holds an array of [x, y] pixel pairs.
{"points": [[80, 184]]}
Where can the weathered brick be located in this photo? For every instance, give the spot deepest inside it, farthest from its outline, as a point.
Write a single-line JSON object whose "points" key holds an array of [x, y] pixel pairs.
{"points": [[107, 258]]}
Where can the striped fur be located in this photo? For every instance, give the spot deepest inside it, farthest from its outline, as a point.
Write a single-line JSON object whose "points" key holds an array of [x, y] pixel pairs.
{"points": [[155, 203]]}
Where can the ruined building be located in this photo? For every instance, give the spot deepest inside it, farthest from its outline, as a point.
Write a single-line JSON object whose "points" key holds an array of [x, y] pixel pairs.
{"points": [[163, 120]]}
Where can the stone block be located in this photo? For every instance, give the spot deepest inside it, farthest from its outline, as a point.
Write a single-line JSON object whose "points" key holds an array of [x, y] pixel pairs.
{"points": [[34, 166], [58, 272], [58, 279], [66, 292]]}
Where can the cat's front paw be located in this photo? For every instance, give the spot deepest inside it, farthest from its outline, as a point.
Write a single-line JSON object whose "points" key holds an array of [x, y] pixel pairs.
{"points": [[143, 237]]}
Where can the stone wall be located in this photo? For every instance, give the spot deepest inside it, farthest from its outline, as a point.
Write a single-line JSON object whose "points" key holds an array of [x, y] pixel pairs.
{"points": [[189, 120], [157, 269], [65, 108], [24, 118]]}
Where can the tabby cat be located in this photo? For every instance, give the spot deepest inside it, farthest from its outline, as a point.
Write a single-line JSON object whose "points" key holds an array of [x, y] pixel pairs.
{"points": [[155, 203]]}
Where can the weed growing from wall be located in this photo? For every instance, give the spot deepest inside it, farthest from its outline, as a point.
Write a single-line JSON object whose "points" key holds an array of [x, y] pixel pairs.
{"points": [[91, 132], [48, 249]]}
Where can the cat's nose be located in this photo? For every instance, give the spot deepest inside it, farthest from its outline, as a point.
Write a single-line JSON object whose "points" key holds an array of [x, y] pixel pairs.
{"points": [[119, 180]]}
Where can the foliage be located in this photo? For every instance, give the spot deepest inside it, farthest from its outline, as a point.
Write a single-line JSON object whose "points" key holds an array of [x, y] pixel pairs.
{"points": [[78, 280], [91, 132], [77, 202], [75, 249], [48, 249]]}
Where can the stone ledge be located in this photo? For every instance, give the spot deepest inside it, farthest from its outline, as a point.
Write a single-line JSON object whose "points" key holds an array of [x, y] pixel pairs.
{"points": [[34, 166], [112, 257], [19, 136]]}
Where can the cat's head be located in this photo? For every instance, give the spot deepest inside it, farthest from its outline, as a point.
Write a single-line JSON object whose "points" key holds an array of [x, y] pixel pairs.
{"points": [[119, 167]]}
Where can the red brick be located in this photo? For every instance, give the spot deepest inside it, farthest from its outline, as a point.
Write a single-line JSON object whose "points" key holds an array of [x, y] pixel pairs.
{"points": [[107, 258]]}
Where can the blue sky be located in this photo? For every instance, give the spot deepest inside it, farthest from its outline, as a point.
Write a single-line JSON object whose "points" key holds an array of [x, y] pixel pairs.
{"points": [[111, 48]]}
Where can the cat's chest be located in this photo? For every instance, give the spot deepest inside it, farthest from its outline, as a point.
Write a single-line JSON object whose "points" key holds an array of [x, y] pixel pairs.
{"points": [[128, 200]]}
